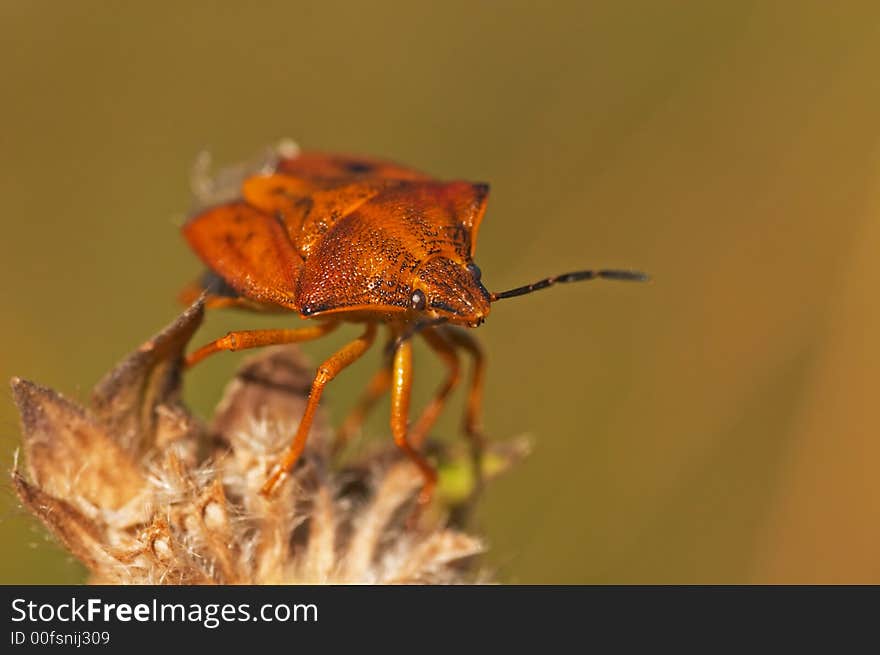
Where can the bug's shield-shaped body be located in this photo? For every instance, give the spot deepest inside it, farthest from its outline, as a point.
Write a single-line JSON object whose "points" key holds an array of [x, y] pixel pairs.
{"points": [[355, 237], [352, 239]]}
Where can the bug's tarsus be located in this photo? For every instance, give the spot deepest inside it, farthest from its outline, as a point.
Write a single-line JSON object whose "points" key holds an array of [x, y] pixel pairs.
{"points": [[576, 276]]}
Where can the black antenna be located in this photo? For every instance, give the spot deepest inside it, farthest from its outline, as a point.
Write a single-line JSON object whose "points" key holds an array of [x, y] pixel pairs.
{"points": [[577, 276]]}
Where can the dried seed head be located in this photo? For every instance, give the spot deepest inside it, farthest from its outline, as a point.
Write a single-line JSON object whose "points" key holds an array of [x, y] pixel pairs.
{"points": [[123, 486]]}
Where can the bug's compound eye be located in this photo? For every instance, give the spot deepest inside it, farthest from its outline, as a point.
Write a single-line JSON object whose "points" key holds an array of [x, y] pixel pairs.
{"points": [[475, 271], [417, 299]]}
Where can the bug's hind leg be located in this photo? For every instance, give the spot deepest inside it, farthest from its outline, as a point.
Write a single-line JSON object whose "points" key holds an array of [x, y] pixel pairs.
{"points": [[244, 339], [376, 388], [331, 367], [473, 424], [444, 349], [401, 387]]}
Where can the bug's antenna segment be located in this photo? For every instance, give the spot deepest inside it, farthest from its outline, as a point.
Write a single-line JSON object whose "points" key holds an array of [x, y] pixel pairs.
{"points": [[577, 276]]}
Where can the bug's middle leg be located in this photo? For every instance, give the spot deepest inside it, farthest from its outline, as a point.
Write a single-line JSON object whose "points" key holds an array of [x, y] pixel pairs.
{"points": [[401, 387], [331, 367]]}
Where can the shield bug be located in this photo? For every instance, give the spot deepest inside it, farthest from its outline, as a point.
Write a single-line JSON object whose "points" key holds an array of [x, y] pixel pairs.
{"points": [[336, 239]]}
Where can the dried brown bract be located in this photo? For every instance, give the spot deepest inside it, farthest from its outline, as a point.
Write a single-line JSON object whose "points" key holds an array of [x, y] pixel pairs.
{"points": [[141, 492]]}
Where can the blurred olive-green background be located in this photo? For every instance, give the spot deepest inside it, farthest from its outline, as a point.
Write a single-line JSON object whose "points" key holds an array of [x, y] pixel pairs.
{"points": [[718, 425]]}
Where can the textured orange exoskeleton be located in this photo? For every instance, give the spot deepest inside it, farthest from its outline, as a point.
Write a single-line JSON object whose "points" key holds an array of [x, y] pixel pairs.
{"points": [[337, 239]]}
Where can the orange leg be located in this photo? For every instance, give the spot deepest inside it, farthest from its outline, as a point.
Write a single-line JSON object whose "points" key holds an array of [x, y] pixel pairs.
{"points": [[446, 351], [401, 386], [256, 338], [473, 427], [222, 302], [377, 386], [326, 372]]}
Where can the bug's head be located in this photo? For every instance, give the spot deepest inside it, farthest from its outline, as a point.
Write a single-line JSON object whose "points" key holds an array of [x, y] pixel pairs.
{"points": [[450, 291]]}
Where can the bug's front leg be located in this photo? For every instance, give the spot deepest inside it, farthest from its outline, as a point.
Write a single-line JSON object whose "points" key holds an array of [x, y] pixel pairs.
{"points": [[256, 338], [339, 360], [401, 387]]}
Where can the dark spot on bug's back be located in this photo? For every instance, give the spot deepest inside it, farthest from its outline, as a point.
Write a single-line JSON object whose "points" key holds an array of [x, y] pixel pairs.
{"points": [[358, 167]]}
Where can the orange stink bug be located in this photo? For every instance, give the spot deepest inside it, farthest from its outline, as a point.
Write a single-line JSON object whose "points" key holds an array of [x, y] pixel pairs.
{"points": [[337, 238]]}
